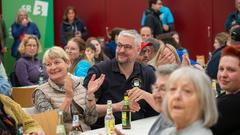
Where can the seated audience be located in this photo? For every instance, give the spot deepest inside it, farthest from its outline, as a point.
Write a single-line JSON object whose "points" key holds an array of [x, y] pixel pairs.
{"points": [[228, 102], [189, 103], [99, 55], [212, 66], [155, 99], [28, 67], [64, 91], [5, 87], [12, 116], [72, 26], [122, 74], [76, 52]]}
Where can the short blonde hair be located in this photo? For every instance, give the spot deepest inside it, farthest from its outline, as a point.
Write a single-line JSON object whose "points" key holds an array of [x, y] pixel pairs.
{"points": [[56, 52], [26, 38], [202, 84]]}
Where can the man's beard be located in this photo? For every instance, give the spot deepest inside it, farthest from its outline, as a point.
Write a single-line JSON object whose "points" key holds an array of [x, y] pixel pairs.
{"points": [[125, 62]]}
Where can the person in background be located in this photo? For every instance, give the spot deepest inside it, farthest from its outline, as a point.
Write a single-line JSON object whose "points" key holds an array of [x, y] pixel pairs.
{"points": [[5, 86], [234, 17], [212, 66], [28, 67], [65, 92], [110, 47], [75, 49], [146, 32], [220, 40], [12, 115], [3, 37], [189, 103], [122, 74], [152, 17], [72, 26], [20, 27], [99, 55], [149, 49], [166, 54], [90, 53], [228, 102], [166, 18]]}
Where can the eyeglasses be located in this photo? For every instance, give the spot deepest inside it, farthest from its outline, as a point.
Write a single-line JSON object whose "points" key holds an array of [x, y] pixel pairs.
{"points": [[70, 48], [31, 45], [126, 46]]}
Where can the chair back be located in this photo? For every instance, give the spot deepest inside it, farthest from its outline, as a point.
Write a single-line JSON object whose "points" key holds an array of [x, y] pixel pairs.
{"points": [[48, 121], [23, 95]]}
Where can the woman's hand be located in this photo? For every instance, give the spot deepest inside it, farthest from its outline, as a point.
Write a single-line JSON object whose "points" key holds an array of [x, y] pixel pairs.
{"points": [[94, 84], [68, 87], [185, 60]]}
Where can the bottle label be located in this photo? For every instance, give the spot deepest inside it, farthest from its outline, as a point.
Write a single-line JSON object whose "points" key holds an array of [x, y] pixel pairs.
{"points": [[124, 118], [110, 126], [60, 129]]}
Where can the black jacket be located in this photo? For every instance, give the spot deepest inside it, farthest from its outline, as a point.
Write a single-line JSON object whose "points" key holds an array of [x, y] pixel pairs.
{"points": [[68, 30], [153, 21]]}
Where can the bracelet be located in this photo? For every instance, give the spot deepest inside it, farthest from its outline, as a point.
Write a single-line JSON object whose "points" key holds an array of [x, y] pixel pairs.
{"points": [[91, 98]]}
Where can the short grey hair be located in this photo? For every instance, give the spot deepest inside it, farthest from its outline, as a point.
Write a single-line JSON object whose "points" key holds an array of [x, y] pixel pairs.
{"points": [[21, 10], [202, 84], [166, 69], [134, 34]]}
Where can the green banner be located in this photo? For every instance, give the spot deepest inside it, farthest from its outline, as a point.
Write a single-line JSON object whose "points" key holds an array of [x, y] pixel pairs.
{"points": [[40, 12]]}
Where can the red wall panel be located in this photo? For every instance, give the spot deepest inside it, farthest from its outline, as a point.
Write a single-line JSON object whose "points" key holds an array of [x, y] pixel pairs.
{"points": [[192, 18], [92, 12]]}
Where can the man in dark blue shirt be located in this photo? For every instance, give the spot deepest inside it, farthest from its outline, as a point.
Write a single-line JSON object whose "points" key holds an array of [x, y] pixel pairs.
{"points": [[121, 75]]}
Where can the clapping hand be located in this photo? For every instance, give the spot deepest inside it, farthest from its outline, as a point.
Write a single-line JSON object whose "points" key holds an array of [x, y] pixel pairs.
{"points": [[94, 84], [68, 87]]}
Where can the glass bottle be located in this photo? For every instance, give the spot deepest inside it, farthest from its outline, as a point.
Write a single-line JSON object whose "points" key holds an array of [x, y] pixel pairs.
{"points": [[60, 130], [109, 120], [126, 113], [214, 87], [41, 76], [20, 129], [76, 127]]}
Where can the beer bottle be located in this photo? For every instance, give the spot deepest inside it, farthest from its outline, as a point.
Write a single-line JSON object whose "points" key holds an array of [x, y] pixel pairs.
{"points": [[109, 120], [76, 127], [41, 76], [126, 113], [214, 87], [60, 130]]}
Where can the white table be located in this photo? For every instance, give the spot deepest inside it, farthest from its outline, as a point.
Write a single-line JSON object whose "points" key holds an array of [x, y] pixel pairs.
{"points": [[138, 127]]}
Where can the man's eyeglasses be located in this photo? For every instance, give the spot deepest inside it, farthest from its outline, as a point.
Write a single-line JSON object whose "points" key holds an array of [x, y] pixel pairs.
{"points": [[127, 47]]}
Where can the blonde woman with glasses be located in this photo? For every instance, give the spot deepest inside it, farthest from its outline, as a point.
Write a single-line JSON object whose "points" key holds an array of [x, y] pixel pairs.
{"points": [[28, 67]]}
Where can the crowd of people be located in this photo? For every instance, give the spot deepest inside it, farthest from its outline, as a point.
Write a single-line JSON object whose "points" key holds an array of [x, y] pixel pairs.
{"points": [[151, 66]]}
